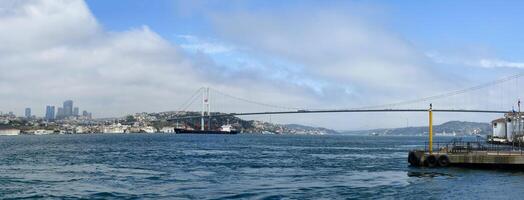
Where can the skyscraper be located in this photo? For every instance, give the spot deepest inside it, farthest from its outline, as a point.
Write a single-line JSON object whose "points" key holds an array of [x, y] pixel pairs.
{"points": [[49, 113], [60, 113], [28, 113], [86, 115], [76, 111], [68, 108]]}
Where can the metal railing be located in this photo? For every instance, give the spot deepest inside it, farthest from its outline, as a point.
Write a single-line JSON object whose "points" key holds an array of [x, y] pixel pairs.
{"points": [[459, 146]]}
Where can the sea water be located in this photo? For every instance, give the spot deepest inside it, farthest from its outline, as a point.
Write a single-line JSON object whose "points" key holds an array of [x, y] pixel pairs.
{"points": [[169, 166]]}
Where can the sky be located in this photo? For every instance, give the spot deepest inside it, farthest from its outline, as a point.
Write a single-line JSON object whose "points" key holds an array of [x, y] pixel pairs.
{"points": [[121, 57]]}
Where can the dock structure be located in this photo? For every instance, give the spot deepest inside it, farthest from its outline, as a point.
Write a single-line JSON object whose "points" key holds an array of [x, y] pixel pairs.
{"points": [[466, 153]]}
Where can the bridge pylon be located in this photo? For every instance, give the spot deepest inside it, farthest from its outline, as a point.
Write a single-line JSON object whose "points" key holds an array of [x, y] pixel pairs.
{"points": [[430, 145], [205, 107]]}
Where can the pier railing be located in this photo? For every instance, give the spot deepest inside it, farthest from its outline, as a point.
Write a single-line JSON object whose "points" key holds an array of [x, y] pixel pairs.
{"points": [[478, 147]]}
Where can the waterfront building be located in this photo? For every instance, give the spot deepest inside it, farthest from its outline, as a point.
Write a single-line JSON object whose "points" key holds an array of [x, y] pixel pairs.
{"points": [[49, 113], [28, 113], [9, 131], [508, 129], [42, 132], [148, 129], [68, 108], [114, 128], [168, 129], [80, 130]]}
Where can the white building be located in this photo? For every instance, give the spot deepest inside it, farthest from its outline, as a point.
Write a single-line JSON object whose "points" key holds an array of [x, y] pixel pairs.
{"points": [[10, 131], [80, 129], [149, 129], [42, 132], [499, 128], [114, 128], [168, 129], [509, 128]]}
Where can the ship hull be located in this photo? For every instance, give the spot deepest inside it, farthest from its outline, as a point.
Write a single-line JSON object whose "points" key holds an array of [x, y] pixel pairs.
{"points": [[183, 131]]}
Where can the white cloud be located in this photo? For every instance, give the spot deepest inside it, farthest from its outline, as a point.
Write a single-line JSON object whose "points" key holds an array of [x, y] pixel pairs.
{"points": [[366, 63], [33, 25], [338, 47], [473, 61], [500, 63], [195, 44], [56, 50]]}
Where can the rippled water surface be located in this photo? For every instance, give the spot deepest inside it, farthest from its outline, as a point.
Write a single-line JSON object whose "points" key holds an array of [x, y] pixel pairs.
{"points": [[158, 166]]}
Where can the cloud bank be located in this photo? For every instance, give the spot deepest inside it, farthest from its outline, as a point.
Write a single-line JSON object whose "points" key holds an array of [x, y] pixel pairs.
{"points": [[56, 50]]}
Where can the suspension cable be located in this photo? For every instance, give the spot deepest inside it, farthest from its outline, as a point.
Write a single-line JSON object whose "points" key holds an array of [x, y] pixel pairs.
{"points": [[448, 94], [254, 102], [413, 101], [189, 102]]}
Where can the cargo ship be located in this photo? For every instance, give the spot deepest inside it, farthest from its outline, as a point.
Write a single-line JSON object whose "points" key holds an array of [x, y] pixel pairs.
{"points": [[225, 129]]}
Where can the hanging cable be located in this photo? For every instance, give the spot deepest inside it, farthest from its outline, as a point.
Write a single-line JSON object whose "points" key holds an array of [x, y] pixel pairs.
{"points": [[390, 105], [189, 102], [255, 102], [448, 94]]}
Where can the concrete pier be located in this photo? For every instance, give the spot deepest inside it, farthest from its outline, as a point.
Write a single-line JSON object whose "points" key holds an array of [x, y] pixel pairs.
{"points": [[470, 153], [475, 158]]}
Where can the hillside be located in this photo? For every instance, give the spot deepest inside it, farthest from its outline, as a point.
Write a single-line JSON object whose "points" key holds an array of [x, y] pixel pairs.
{"points": [[456, 127], [247, 126], [309, 129]]}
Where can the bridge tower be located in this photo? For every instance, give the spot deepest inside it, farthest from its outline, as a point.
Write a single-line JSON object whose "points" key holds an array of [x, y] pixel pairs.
{"points": [[430, 143], [205, 107]]}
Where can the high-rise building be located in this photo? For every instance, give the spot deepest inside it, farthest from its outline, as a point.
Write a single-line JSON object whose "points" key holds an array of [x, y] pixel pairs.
{"points": [[49, 113], [76, 111], [28, 113], [60, 113], [68, 108], [87, 115]]}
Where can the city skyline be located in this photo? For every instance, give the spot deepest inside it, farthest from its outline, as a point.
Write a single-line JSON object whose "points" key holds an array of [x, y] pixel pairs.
{"points": [[49, 113]]}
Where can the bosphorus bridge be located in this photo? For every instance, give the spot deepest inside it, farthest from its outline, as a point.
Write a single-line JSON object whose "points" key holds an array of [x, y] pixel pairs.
{"points": [[502, 90]]}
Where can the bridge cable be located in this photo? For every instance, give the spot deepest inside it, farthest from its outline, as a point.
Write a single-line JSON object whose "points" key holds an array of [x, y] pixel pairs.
{"points": [[448, 94], [189, 102], [254, 102]]}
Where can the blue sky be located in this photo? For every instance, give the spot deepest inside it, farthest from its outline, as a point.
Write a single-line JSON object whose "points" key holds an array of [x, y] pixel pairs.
{"points": [[472, 29], [494, 25], [134, 56], [468, 29]]}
